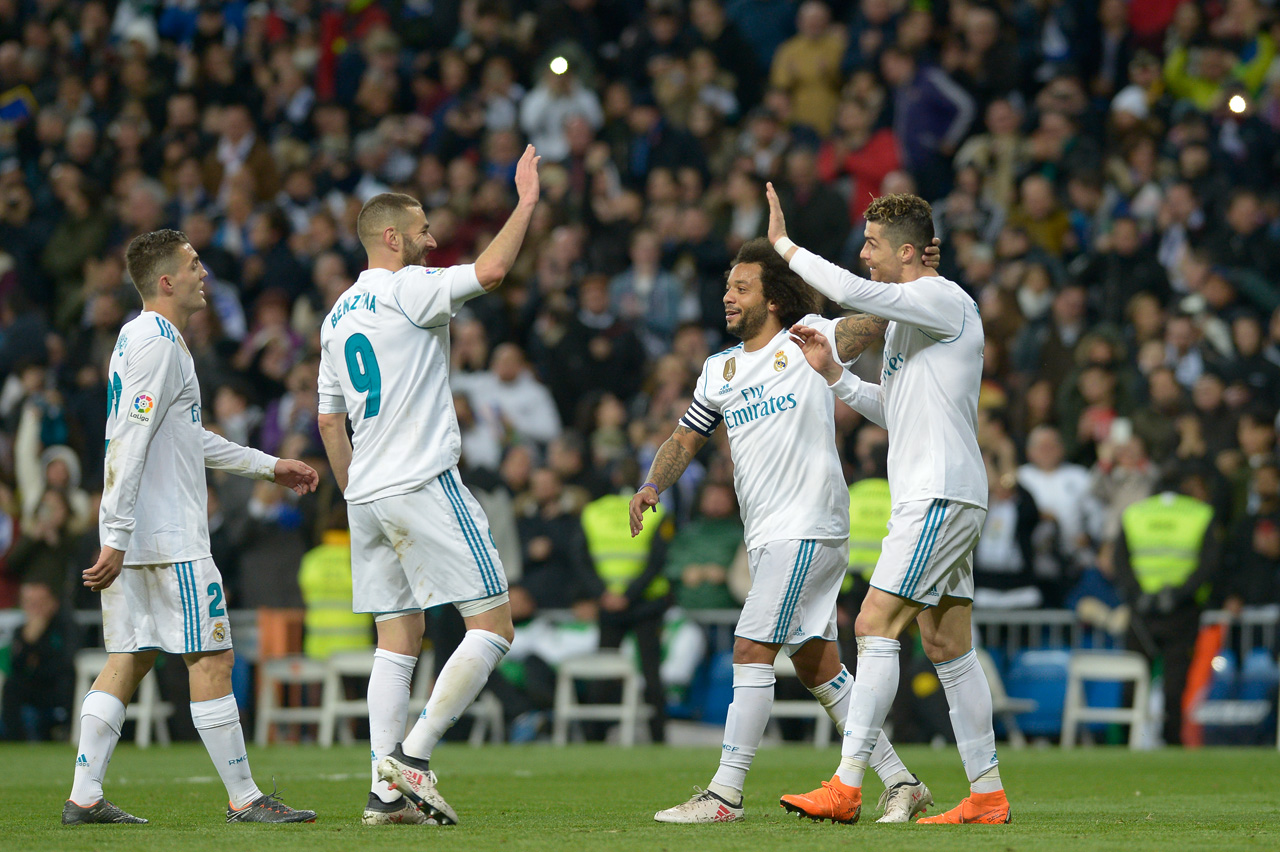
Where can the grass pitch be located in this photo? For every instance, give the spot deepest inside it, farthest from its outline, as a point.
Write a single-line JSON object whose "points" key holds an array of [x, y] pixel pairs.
{"points": [[602, 798]]}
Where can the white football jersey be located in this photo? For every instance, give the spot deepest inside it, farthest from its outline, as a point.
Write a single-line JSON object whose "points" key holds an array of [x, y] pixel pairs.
{"points": [[780, 417], [384, 360], [154, 497], [928, 392]]}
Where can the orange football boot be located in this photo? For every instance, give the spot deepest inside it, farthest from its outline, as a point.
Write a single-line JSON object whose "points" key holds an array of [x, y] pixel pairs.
{"points": [[986, 808], [834, 800]]}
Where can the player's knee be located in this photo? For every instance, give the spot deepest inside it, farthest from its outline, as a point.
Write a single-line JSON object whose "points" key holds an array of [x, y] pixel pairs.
{"points": [[748, 651], [871, 622]]}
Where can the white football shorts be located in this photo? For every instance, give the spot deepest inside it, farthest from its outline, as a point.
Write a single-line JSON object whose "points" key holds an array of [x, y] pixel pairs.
{"points": [[179, 608], [794, 585], [928, 553], [422, 549]]}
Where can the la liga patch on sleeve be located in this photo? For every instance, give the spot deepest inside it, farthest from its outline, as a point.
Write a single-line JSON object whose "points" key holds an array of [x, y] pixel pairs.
{"points": [[140, 410]]}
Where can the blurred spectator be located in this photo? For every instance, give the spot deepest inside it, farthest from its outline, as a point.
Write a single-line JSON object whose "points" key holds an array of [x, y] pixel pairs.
{"points": [[703, 551], [633, 593], [1061, 493], [1252, 576], [650, 296], [324, 576], [1004, 562], [38, 690], [510, 395], [1168, 553], [931, 115], [557, 568], [807, 67]]}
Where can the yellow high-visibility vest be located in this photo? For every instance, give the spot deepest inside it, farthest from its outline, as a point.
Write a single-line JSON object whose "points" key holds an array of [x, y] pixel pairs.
{"points": [[1164, 534], [325, 580], [619, 558], [869, 509]]}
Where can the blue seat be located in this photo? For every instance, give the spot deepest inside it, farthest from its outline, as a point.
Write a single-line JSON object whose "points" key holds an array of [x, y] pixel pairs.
{"points": [[1040, 675], [1258, 676]]}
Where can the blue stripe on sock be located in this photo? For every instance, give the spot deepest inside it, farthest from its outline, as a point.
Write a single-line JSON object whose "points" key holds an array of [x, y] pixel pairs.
{"points": [[933, 540], [459, 511]]}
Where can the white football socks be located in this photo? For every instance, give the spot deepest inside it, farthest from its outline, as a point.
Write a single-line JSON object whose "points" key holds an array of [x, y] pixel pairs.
{"points": [[459, 683], [969, 697], [835, 695], [389, 686], [874, 688], [101, 718], [743, 727], [218, 722]]}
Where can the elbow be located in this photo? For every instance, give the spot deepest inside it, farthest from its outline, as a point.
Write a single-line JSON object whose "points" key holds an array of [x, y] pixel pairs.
{"points": [[489, 275], [331, 423]]}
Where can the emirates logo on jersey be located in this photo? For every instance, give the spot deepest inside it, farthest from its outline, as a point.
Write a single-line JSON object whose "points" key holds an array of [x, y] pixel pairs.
{"points": [[779, 360], [730, 369]]}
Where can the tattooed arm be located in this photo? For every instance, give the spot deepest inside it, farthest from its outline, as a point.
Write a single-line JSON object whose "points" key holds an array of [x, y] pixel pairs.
{"points": [[673, 457], [855, 333]]}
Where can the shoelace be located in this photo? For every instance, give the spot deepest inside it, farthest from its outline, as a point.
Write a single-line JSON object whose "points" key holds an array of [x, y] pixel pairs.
{"points": [[273, 801]]}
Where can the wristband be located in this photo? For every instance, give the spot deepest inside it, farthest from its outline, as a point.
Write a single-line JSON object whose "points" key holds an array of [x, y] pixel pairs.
{"points": [[783, 245], [649, 485]]}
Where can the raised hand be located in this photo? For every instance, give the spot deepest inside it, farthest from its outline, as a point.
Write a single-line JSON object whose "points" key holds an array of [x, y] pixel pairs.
{"points": [[817, 351], [527, 185], [777, 224]]}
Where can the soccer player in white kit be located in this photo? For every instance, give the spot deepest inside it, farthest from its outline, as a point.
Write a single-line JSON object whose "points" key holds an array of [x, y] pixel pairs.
{"points": [[927, 399], [418, 537], [780, 420], [160, 588]]}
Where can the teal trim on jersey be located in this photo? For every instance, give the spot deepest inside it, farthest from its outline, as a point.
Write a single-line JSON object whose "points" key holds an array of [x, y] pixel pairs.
{"points": [[195, 594], [964, 320], [717, 355], [804, 554], [931, 534], [405, 313], [488, 574]]}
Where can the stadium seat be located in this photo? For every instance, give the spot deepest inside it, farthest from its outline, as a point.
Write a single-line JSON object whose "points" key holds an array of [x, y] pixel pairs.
{"points": [[1040, 676], [1003, 707], [1107, 666], [280, 672], [801, 708], [335, 707], [146, 709], [602, 665]]}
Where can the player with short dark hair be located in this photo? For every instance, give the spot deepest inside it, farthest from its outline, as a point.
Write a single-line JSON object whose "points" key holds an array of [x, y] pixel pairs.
{"points": [[419, 539], [927, 399], [161, 590]]}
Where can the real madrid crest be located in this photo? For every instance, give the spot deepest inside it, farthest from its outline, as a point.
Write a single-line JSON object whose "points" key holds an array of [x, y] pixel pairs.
{"points": [[219, 632], [730, 368], [779, 360]]}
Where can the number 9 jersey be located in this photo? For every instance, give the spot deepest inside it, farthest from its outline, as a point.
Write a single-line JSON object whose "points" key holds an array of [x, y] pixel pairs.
{"points": [[384, 360]]}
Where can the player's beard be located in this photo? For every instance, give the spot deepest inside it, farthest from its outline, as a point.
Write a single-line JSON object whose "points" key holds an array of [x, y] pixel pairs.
{"points": [[413, 253], [750, 321]]}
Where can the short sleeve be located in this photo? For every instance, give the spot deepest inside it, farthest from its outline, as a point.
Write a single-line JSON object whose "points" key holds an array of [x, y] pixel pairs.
{"points": [[433, 295], [702, 416], [329, 388]]}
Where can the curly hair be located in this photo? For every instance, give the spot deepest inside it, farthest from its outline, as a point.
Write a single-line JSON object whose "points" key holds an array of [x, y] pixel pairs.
{"points": [[151, 255], [794, 298], [905, 219]]}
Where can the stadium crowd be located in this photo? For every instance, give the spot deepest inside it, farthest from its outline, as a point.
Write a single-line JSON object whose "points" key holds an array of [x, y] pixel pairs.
{"points": [[1102, 177]]}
